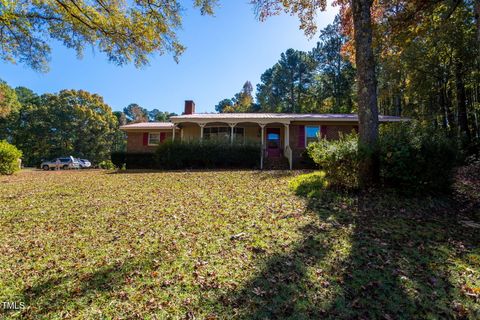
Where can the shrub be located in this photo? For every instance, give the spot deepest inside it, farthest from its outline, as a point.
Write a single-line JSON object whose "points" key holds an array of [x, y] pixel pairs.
{"points": [[119, 158], [308, 185], [306, 161], [416, 158], [9, 158], [207, 154], [339, 159], [413, 158], [107, 165], [134, 160]]}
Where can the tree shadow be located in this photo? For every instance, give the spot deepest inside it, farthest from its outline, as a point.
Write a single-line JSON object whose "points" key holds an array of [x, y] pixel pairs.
{"points": [[56, 295], [398, 264]]}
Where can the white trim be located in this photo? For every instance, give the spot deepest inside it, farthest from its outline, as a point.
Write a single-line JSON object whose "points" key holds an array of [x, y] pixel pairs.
{"points": [[305, 133], [159, 138]]}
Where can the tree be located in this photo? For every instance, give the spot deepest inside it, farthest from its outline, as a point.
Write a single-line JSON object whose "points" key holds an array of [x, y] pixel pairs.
{"points": [[284, 87], [365, 64], [220, 107], [124, 30], [243, 100], [71, 122], [121, 118], [335, 72], [162, 116], [135, 113], [8, 100], [366, 91]]}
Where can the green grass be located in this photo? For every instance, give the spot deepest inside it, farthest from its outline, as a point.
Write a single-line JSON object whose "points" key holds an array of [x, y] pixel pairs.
{"points": [[228, 244]]}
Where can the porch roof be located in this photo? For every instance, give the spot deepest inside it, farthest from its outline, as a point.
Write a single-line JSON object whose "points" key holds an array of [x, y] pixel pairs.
{"points": [[274, 117], [148, 125]]}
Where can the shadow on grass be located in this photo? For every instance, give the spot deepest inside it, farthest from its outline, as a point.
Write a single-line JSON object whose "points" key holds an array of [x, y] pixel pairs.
{"points": [[56, 295], [365, 256], [369, 256], [142, 171]]}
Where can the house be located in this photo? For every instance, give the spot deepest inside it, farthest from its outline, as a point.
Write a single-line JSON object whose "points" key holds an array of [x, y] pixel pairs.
{"points": [[279, 134]]}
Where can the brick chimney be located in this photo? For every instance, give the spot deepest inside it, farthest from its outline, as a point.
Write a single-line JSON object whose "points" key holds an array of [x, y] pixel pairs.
{"points": [[189, 107]]}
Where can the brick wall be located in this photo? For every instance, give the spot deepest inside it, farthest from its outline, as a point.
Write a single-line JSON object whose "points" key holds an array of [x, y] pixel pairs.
{"points": [[331, 132], [135, 141]]}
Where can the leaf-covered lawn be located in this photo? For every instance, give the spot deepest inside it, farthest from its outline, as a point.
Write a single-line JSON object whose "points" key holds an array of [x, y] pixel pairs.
{"points": [[227, 244]]}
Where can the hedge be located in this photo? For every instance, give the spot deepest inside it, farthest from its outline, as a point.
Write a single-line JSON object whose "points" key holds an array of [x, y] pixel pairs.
{"points": [[134, 160], [192, 155]]}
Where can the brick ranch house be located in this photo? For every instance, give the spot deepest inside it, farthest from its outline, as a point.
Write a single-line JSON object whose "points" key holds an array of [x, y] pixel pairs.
{"points": [[279, 134]]}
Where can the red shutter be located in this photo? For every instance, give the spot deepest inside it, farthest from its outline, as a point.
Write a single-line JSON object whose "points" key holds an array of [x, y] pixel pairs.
{"points": [[163, 135], [145, 138], [301, 136], [323, 132]]}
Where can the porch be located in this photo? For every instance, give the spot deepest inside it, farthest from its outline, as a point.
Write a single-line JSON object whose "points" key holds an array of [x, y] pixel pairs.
{"points": [[273, 137]]}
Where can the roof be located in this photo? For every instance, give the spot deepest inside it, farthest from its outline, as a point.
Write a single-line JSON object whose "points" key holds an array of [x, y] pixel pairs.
{"points": [[148, 125], [282, 117], [252, 117]]}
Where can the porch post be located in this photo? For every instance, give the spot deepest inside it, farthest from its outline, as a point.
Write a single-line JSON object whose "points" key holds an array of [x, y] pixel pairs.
{"points": [[262, 126], [173, 132], [202, 125], [181, 134], [287, 136], [232, 126], [288, 150]]}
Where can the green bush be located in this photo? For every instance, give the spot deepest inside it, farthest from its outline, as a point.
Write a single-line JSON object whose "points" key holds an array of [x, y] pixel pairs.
{"points": [[107, 165], [413, 158], [134, 160], [207, 154], [119, 158], [339, 159], [9, 158], [310, 184], [416, 158]]}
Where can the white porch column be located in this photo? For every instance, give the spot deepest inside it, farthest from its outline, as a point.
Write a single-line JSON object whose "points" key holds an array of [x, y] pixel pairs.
{"points": [[181, 134], [173, 132], [287, 136], [262, 126], [288, 150], [202, 125], [232, 126]]}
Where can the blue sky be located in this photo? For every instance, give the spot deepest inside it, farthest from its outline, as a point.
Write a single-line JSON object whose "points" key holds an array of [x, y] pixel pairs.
{"points": [[222, 53]]}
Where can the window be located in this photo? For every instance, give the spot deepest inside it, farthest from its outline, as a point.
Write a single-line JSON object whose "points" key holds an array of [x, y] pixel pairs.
{"points": [[238, 134], [153, 139], [312, 134], [222, 133], [273, 136]]}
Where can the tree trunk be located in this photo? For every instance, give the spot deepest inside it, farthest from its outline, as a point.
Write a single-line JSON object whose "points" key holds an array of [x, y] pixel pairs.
{"points": [[367, 92], [461, 101], [443, 106]]}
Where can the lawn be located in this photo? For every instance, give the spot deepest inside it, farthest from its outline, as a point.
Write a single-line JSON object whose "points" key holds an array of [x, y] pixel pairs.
{"points": [[229, 244]]}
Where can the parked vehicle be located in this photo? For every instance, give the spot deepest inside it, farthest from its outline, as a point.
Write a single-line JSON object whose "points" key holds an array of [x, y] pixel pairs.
{"points": [[84, 163], [61, 163]]}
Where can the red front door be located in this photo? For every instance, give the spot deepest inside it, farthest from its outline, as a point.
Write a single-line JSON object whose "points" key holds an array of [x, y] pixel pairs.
{"points": [[273, 142]]}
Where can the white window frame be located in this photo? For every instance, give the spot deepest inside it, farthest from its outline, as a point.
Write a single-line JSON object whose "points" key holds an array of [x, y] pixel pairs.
{"points": [[151, 134], [319, 133], [228, 131]]}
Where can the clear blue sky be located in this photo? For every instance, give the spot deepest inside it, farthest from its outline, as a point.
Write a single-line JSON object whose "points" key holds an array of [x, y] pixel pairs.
{"points": [[222, 53]]}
